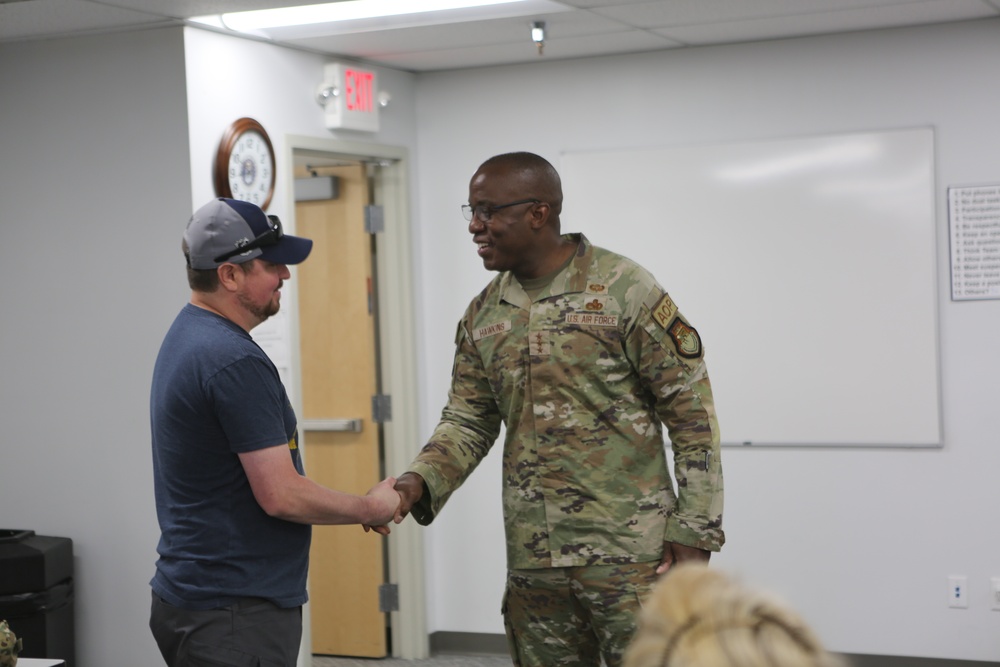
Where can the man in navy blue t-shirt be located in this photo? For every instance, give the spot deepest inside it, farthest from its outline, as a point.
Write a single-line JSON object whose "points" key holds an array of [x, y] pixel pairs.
{"points": [[234, 506]]}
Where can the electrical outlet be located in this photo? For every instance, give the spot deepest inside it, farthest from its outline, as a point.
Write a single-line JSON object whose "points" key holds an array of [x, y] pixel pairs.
{"points": [[957, 593], [995, 593]]}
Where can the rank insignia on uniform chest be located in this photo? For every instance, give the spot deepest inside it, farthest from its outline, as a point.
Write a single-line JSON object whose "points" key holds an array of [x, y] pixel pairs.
{"points": [[685, 338], [538, 344]]}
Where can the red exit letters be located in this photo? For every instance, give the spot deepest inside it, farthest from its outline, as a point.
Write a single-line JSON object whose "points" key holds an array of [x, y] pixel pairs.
{"points": [[360, 96]]}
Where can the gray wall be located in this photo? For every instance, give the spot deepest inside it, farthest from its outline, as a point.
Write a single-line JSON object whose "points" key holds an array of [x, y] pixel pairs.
{"points": [[94, 183]]}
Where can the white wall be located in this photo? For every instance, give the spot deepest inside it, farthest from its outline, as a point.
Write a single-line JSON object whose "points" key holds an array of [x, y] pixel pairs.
{"points": [[861, 540], [228, 78]]}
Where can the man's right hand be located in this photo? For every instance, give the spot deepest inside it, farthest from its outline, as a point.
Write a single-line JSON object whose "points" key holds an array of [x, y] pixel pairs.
{"points": [[410, 487], [385, 502], [408, 490]]}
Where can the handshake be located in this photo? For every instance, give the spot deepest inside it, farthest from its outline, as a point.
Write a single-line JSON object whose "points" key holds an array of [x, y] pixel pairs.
{"points": [[391, 500]]}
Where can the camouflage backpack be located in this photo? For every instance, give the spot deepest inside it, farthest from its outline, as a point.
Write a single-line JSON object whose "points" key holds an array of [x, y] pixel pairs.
{"points": [[10, 646]]}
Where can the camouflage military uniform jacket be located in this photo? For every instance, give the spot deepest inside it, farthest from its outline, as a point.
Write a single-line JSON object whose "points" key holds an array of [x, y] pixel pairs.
{"points": [[583, 379]]}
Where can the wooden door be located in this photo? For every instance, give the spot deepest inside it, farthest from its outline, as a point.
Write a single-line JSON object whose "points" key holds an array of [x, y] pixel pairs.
{"points": [[339, 379]]}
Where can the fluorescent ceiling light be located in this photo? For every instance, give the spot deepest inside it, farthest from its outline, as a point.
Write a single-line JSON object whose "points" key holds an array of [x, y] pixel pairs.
{"points": [[350, 10]]}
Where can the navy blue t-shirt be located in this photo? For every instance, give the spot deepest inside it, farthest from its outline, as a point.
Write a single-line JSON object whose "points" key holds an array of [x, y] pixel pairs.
{"points": [[215, 393]]}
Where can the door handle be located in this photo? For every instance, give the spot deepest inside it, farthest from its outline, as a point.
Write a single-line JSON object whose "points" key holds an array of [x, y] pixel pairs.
{"points": [[345, 425]]}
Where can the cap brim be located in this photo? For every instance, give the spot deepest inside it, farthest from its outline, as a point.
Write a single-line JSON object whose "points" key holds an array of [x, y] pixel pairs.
{"points": [[289, 250]]}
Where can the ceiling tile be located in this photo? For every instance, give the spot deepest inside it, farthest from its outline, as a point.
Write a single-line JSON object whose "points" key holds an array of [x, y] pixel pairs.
{"points": [[916, 13], [476, 34], [658, 14], [557, 49], [36, 18], [575, 28]]}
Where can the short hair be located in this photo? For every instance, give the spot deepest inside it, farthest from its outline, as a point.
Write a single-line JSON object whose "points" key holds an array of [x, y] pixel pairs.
{"points": [[698, 616], [199, 280], [545, 179], [205, 280]]}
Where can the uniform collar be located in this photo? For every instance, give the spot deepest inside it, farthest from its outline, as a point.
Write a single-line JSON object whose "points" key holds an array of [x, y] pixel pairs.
{"points": [[570, 280]]}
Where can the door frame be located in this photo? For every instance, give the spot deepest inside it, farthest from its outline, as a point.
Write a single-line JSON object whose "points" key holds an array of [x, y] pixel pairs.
{"points": [[397, 335]]}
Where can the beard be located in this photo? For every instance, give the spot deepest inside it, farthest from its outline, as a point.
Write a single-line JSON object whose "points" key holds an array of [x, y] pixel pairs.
{"points": [[261, 312]]}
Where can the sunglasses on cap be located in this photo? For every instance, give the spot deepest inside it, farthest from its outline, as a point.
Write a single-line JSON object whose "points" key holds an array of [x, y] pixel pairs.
{"points": [[268, 238]]}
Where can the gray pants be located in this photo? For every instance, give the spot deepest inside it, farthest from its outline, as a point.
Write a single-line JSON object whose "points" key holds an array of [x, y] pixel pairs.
{"points": [[250, 633]]}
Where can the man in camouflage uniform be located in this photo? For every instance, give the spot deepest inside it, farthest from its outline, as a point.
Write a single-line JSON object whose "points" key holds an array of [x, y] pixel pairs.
{"points": [[582, 356]]}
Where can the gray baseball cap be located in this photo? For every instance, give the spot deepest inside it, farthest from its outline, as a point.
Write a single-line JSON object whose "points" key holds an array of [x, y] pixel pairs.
{"points": [[230, 230]]}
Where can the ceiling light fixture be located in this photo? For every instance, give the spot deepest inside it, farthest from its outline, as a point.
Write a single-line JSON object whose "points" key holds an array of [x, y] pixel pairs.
{"points": [[349, 10]]}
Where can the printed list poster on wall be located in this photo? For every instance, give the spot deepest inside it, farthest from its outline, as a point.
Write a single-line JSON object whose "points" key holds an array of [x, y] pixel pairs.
{"points": [[974, 214]]}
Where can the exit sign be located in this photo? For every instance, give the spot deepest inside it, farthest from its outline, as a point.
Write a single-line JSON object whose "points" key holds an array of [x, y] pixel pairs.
{"points": [[355, 106]]}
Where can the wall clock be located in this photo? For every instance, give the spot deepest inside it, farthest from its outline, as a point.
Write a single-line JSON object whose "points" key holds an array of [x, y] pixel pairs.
{"points": [[244, 163]]}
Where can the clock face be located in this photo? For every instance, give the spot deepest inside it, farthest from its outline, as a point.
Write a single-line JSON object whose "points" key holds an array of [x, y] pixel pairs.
{"points": [[250, 168], [244, 164]]}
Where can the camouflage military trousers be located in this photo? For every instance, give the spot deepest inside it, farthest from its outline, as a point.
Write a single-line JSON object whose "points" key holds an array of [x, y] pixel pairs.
{"points": [[574, 616]]}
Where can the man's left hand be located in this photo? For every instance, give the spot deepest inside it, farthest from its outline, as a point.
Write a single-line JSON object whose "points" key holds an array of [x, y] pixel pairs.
{"points": [[674, 552]]}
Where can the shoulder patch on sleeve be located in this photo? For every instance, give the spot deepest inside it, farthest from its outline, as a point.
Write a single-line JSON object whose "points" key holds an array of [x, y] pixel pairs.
{"points": [[685, 338], [664, 311]]}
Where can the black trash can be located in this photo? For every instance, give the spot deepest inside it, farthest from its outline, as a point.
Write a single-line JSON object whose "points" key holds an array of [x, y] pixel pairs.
{"points": [[36, 593]]}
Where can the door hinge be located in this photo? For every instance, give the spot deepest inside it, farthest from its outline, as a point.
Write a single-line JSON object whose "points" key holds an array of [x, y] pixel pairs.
{"points": [[381, 408], [388, 597], [374, 219]]}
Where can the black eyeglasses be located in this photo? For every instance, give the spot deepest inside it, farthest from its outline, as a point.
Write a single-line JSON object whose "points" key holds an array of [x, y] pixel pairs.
{"points": [[268, 238], [484, 212]]}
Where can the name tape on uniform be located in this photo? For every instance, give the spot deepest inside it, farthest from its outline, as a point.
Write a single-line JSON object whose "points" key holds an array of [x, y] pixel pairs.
{"points": [[491, 330]]}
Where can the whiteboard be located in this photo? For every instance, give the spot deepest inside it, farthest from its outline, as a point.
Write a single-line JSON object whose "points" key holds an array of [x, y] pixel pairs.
{"points": [[808, 266]]}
